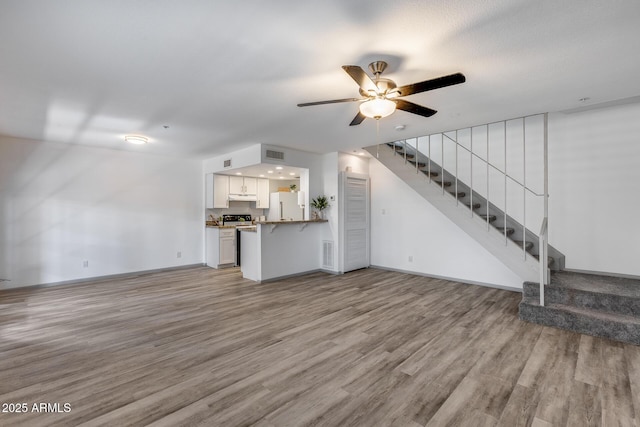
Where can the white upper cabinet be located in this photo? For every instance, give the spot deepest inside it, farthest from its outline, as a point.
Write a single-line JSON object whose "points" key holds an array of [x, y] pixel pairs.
{"points": [[262, 194], [236, 185], [216, 191], [242, 185], [250, 185], [220, 191]]}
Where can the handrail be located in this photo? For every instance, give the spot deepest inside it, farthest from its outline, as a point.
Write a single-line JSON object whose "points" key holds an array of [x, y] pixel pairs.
{"points": [[544, 233], [494, 167]]}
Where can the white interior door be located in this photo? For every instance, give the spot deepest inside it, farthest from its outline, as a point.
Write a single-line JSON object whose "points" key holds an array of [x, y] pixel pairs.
{"points": [[355, 221]]}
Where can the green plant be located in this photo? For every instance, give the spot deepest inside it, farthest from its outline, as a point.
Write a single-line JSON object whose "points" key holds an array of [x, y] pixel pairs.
{"points": [[320, 203], [293, 187]]}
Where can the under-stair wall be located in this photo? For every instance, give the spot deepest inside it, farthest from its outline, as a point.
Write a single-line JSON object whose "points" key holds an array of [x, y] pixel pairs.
{"points": [[478, 167]]}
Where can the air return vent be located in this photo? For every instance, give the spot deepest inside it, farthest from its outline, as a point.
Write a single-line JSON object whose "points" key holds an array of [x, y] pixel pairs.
{"points": [[327, 254], [227, 163], [275, 155]]}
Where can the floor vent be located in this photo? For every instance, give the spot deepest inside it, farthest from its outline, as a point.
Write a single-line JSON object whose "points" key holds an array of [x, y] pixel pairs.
{"points": [[275, 155], [327, 254]]}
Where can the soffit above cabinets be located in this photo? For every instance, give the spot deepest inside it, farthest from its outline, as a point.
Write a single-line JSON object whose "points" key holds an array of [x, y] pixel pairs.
{"points": [[262, 171]]}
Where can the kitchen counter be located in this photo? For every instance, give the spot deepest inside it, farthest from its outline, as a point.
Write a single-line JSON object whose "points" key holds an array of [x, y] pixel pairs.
{"points": [[292, 222], [274, 249], [221, 226], [249, 228]]}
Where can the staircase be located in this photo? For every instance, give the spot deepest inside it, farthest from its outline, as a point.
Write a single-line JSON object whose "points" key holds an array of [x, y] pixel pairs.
{"points": [[601, 306], [499, 233]]}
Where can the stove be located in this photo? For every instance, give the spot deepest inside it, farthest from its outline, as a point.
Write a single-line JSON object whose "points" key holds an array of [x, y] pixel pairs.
{"points": [[236, 219]]}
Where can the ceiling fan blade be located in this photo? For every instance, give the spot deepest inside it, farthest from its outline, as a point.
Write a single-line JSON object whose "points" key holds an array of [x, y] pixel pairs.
{"points": [[362, 78], [357, 119], [410, 107], [333, 101], [437, 83]]}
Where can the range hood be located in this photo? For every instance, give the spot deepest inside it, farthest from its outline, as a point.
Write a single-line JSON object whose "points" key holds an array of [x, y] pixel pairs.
{"points": [[243, 197]]}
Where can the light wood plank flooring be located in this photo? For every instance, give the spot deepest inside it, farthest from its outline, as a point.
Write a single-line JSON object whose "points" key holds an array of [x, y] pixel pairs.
{"points": [[368, 348]]}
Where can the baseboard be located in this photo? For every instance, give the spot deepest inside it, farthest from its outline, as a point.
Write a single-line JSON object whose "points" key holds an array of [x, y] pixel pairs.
{"points": [[603, 273], [451, 279], [102, 278], [302, 273]]}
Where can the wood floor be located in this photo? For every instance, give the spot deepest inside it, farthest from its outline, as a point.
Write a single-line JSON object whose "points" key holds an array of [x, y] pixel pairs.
{"points": [[368, 348]]}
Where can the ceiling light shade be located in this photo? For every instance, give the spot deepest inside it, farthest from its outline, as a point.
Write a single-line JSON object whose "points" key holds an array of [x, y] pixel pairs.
{"points": [[377, 108], [136, 139]]}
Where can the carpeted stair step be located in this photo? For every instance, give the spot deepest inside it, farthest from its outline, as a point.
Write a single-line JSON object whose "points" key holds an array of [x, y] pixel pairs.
{"points": [[591, 292], [461, 194], [527, 246], [491, 217], [550, 260], [590, 322], [475, 205], [432, 173], [500, 228], [446, 183], [420, 164]]}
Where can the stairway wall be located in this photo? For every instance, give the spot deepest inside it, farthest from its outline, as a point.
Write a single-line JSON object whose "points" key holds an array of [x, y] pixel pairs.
{"points": [[411, 226], [594, 187]]}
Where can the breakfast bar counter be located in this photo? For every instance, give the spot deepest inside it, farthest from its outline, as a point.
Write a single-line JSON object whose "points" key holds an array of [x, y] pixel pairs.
{"points": [[282, 248]]}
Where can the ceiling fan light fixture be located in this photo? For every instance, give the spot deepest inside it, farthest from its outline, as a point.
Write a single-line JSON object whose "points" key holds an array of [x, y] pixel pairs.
{"points": [[377, 108], [136, 139]]}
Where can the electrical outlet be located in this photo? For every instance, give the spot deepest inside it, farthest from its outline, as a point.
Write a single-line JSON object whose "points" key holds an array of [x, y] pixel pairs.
{"points": [[85, 264], [410, 258], [332, 198], [179, 254]]}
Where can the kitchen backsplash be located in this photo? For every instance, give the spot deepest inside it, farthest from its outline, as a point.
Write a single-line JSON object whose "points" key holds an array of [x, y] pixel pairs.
{"points": [[237, 208]]}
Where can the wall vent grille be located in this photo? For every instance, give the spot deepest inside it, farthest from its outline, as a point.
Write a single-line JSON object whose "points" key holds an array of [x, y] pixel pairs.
{"points": [[227, 163], [275, 155], [327, 254]]}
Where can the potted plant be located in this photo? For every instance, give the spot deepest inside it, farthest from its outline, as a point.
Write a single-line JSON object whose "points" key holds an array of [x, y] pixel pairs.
{"points": [[320, 204], [293, 187]]}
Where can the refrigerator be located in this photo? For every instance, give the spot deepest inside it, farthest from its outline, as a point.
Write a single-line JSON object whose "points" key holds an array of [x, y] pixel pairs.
{"points": [[284, 206]]}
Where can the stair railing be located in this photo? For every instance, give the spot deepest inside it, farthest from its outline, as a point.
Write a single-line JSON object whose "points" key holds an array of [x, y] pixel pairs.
{"points": [[543, 236], [544, 260]]}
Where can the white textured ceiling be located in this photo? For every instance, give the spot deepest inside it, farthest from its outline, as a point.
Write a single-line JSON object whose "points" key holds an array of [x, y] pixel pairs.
{"points": [[224, 75]]}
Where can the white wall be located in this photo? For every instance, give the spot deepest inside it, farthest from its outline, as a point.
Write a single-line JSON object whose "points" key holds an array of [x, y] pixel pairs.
{"points": [[62, 204], [403, 224], [248, 156], [594, 200], [594, 188]]}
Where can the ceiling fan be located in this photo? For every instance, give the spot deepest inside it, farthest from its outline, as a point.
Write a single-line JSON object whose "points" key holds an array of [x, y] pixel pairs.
{"points": [[380, 95]]}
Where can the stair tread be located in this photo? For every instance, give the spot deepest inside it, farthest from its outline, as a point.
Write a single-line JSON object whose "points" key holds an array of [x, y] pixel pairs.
{"points": [[608, 316], [596, 283]]}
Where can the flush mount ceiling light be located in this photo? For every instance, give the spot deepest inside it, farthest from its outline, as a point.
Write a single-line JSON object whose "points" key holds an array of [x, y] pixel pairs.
{"points": [[377, 108], [136, 139]]}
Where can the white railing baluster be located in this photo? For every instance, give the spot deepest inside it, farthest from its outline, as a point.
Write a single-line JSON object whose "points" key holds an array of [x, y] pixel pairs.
{"points": [[456, 189], [543, 237], [487, 178], [505, 181], [524, 192]]}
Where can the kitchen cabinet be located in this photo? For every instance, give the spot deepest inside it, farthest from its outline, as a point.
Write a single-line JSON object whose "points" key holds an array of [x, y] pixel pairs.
{"points": [[216, 191], [242, 185], [262, 194], [221, 247], [227, 246]]}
